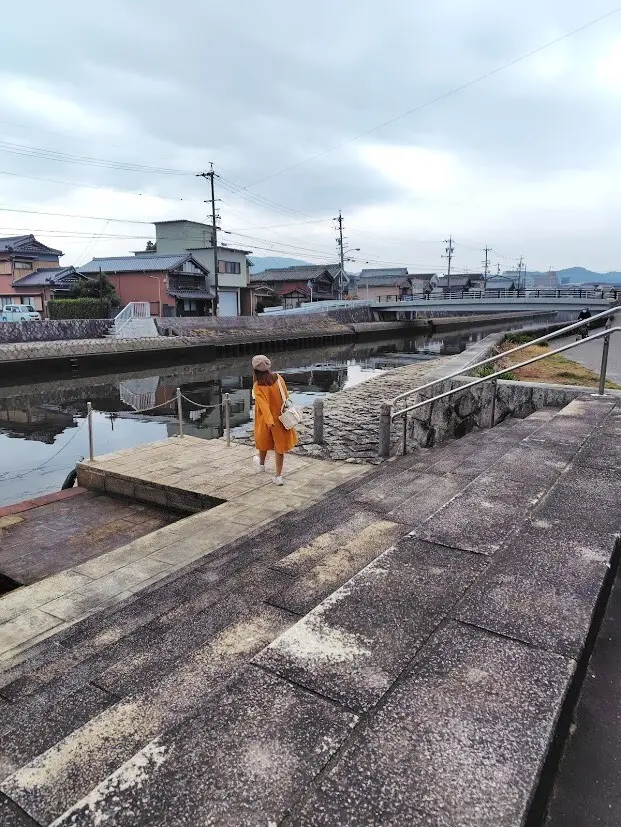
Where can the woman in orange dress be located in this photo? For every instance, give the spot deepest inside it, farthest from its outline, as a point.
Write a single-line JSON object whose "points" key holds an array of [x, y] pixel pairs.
{"points": [[269, 432]]}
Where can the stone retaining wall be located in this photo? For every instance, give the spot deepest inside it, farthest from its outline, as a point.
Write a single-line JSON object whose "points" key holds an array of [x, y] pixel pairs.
{"points": [[461, 413], [50, 330]]}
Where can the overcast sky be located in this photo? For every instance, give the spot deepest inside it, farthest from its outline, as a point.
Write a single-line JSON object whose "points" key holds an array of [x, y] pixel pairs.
{"points": [[527, 161]]}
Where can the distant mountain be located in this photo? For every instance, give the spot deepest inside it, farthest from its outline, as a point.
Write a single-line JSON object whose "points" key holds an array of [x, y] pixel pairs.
{"points": [[579, 275], [269, 262]]}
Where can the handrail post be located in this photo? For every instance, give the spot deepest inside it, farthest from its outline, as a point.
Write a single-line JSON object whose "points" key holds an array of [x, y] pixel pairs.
{"points": [[492, 416], [602, 372], [384, 430], [89, 416], [318, 421], [405, 434], [179, 412], [227, 418]]}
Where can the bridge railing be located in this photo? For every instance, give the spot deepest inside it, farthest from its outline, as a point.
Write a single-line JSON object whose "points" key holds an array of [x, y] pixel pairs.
{"points": [[501, 293]]}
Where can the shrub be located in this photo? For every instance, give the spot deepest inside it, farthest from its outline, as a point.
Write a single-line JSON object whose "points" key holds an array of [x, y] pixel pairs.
{"points": [[487, 370], [521, 338], [78, 309]]}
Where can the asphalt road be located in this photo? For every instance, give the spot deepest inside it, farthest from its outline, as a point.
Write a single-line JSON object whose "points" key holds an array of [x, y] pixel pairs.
{"points": [[587, 792]]}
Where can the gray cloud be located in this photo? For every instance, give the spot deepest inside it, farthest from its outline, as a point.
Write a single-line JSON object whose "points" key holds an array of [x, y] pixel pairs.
{"points": [[258, 87]]}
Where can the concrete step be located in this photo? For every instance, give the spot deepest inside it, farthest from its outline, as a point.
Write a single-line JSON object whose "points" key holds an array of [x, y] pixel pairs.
{"points": [[178, 709]]}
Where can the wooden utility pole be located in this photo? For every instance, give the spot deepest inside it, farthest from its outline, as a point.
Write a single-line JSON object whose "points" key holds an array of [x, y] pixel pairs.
{"points": [[519, 273], [339, 243], [214, 238], [486, 267], [450, 249]]}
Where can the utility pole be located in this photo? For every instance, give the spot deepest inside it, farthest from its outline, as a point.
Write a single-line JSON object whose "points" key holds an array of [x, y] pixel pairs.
{"points": [[450, 249], [214, 239], [486, 267], [498, 268], [339, 244], [519, 272]]}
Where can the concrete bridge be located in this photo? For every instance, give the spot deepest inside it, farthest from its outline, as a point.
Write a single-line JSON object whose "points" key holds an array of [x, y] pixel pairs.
{"points": [[461, 303]]}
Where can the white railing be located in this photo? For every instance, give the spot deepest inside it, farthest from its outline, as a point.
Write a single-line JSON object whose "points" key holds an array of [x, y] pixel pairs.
{"points": [[134, 310]]}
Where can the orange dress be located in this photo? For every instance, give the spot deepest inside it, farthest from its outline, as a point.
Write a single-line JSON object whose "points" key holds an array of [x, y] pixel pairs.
{"points": [[268, 406]]}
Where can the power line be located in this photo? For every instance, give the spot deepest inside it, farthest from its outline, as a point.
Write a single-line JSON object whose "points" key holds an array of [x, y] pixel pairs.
{"points": [[97, 187], [438, 98], [71, 158], [73, 215]]}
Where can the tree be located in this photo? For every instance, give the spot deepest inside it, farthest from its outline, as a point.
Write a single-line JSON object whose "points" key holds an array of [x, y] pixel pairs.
{"points": [[151, 247], [99, 287]]}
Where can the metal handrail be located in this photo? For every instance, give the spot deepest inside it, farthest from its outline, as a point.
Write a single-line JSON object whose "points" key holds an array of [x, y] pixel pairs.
{"points": [[545, 338], [492, 376]]}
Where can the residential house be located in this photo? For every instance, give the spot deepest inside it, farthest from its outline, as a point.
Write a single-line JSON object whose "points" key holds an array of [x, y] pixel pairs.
{"points": [[173, 284], [499, 283], [52, 282], [293, 286], [234, 295], [22, 256], [420, 283], [458, 283], [386, 284]]}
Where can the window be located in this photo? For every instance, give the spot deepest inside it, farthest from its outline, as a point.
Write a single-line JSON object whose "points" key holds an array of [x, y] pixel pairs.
{"points": [[23, 265], [233, 267]]}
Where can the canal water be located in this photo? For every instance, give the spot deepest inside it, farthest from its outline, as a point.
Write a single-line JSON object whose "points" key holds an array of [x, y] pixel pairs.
{"points": [[43, 430]]}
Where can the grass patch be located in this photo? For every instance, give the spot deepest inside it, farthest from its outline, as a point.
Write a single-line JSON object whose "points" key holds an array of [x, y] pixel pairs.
{"points": [[555, 369], [487, 370], [521, 338]]}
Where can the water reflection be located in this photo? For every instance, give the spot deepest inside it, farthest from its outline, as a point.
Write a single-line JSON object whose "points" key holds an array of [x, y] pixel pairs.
{"points": [[42, 426]]}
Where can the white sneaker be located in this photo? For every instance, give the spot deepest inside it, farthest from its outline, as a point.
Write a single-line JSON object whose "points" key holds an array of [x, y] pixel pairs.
{"points": [[256, 461], [277, 481]]}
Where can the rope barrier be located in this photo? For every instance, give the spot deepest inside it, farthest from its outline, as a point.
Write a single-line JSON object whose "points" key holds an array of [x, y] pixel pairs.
{"points": [[155, 407], [200, 405]]}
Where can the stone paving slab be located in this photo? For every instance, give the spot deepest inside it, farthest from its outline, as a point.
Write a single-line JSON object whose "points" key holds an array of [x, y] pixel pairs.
{"points": [[21, 744], [542, 590], [251, 504], [499, 505], [50, 784], [458, 742], [354, 645], [329, 573], [244, 760]]}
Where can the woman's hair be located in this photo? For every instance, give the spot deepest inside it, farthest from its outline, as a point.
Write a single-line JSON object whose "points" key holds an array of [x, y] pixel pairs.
{"points": [[264, 377]]}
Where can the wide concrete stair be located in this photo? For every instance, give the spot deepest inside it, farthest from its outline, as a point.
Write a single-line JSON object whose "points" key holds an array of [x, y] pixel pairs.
{"points": [[401, 653]]}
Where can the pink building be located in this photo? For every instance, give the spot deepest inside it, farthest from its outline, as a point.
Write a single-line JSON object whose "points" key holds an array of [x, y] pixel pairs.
{"points": [[173, 284]]}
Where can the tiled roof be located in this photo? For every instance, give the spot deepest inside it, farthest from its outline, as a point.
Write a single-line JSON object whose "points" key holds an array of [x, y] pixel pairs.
{"points": [[25, 244], [302, 272], [385, 273], [42, 278], [502, 284], [136, 264]]}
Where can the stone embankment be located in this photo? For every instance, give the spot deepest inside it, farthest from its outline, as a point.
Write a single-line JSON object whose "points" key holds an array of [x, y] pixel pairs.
{"points": [[351, 417], [51, 330], [208, 339]]}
